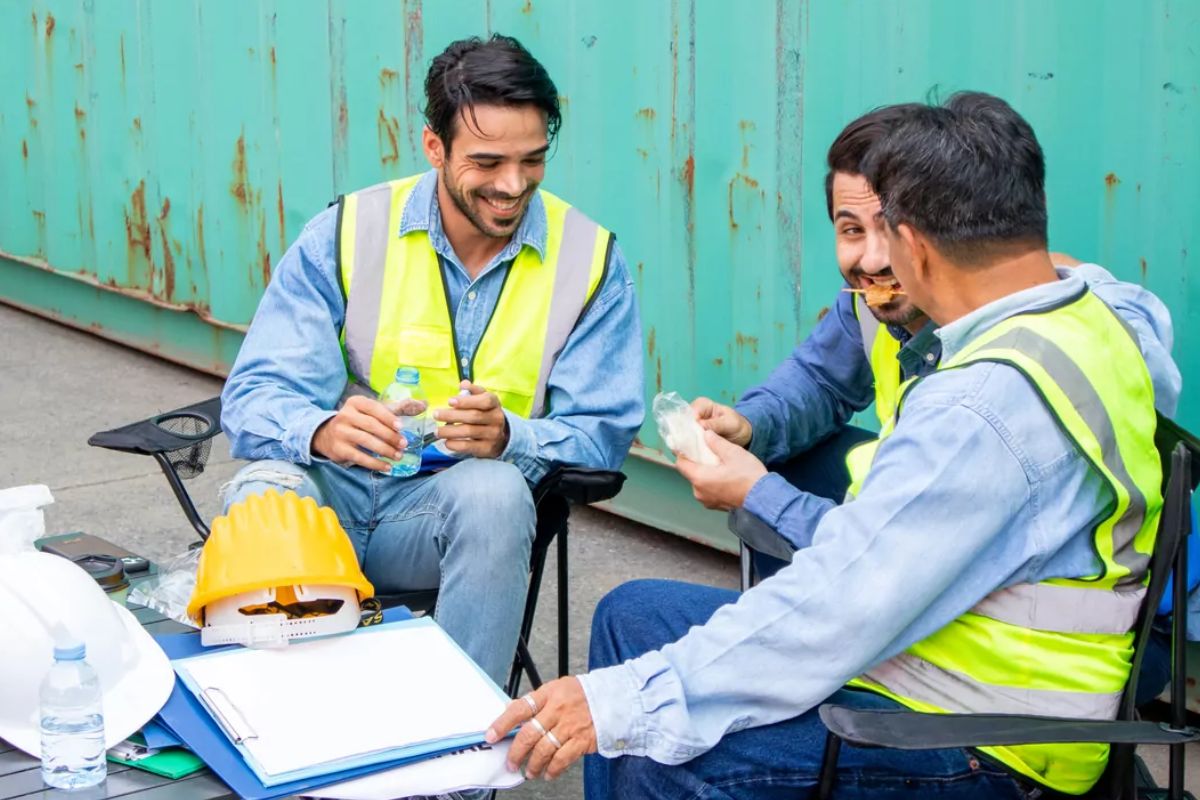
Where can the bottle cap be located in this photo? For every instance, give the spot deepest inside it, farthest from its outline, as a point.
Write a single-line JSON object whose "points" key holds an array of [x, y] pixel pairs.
{"points": [[69, 650], [408, 375]]}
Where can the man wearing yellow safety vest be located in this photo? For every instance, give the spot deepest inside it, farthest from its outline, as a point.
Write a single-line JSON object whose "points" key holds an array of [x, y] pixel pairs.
{"points": [[517, 310], [993, 557]]}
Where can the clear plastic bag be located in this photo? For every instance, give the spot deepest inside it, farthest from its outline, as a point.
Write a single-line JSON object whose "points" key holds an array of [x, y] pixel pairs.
{"points": [[21, 520], [678, 427], [169, 591]]}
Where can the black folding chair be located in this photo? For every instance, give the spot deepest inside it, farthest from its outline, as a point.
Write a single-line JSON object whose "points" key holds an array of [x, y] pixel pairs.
{"points": [[1125, 777], [180, 442]]}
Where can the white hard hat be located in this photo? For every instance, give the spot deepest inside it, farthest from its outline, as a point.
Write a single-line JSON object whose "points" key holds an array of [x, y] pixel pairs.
{"points": [[42, 595]]}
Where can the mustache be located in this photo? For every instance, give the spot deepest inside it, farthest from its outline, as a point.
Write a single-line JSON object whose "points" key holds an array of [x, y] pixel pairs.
{"points": [[886, 272], [499, 196]]}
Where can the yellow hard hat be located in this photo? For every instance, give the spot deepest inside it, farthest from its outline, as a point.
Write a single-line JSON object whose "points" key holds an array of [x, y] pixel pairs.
{"points": [[274, 540]]}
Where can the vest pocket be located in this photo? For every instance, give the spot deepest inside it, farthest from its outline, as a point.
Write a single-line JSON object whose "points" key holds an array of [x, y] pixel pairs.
{"points": [[423, 346]]}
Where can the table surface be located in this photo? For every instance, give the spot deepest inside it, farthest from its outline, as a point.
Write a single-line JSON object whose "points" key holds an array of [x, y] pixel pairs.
{"points": [[21, 776]]}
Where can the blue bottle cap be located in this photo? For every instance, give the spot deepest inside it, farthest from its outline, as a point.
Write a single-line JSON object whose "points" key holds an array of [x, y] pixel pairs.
{"points": [[408, 375], [70, 651]]}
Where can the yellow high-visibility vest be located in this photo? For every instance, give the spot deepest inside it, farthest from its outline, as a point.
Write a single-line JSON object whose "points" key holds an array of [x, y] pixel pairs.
{"points": [[398, 313], [882, 351], [1061, 647]]}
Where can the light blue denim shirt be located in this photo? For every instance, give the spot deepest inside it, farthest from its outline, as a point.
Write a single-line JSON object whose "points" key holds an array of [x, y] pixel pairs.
{"points": [[289, 374], [828, 378], [976, 489]]}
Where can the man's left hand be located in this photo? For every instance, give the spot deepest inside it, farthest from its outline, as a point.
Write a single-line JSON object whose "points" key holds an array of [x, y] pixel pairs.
{"points": [[475, 423], [562, 711], [722, 486]]}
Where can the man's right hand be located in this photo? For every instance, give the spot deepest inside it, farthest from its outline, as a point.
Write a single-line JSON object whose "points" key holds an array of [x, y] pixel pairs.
{"points": [[360, 423], [722, 420]]}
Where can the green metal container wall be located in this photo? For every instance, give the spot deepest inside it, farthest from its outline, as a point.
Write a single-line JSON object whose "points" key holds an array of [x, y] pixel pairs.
{"points": [[156, 158]]}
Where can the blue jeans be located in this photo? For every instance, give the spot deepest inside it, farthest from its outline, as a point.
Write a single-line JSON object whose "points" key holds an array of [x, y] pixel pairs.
{"points": [[774, 761], [467, 531]]}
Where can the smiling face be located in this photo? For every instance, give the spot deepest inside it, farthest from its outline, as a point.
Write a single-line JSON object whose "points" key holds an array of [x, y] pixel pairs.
{"points": [[494, 164], [863, 250]]}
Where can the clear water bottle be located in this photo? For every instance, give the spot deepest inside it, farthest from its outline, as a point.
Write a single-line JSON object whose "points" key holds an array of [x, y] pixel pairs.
{"points": [[407, 401], [72, 721]]}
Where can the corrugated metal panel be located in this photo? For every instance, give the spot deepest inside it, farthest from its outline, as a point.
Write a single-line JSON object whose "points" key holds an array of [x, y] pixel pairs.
{"points": [[170, 151]]}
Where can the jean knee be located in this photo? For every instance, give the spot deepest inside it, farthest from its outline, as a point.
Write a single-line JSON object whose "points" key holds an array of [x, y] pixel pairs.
{"points": [[259, 476], [490, 501]]}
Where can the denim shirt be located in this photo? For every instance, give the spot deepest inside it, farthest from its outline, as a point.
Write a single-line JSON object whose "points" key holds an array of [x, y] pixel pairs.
{"points": [[828, 378], [976, 489], [290, 373]]}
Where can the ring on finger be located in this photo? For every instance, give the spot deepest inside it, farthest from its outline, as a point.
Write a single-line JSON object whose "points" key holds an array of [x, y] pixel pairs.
{"points": [[537, 726], [528, 698], [554, 740]]}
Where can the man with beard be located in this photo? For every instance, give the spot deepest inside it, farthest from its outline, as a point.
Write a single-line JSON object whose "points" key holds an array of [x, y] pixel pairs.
{"points": [[873, 338], [517, 310]]}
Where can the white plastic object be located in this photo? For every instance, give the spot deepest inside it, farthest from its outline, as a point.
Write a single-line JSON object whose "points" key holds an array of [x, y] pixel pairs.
{"points": [[224, 623], [678, 427], [21, 520], [45, 597]]}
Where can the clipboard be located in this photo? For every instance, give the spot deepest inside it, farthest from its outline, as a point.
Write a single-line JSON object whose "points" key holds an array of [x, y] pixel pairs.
{"points": [[184, 715], [263, 700]]}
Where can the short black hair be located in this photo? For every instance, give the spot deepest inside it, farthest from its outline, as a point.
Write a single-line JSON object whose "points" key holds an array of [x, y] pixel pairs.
{"points": [[847, 151], [497, 71], [968, 173]]}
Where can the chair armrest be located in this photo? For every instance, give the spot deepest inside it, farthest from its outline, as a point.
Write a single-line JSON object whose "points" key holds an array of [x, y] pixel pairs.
{"points": [[759, 536], [150, 437], [581, 485], [901, 729]]}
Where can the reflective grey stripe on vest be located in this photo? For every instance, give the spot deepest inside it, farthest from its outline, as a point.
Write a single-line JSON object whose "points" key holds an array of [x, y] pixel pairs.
{"points": [[569, 297], [1082, 395], [1063, 609], [371, 236], [909, 676], [867, 325]]}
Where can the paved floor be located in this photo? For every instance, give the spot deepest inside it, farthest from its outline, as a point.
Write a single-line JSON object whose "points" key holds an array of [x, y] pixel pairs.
{"points": [[61, 385]]}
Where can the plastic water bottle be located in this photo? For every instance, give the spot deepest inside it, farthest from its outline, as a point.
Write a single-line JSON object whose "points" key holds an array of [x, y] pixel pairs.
{"points": [[72, 721], [407, 401]]}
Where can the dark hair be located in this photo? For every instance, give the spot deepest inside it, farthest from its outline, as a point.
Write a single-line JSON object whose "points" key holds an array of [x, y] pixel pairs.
{"points": [[499, 71], [847, 151], [969, 173]]}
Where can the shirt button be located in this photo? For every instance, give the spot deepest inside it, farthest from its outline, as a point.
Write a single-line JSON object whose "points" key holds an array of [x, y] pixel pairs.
{"points": [[471, 295], [929, 357], [465, 361], [619, 744]]}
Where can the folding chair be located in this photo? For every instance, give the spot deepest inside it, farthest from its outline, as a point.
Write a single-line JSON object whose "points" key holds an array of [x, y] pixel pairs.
{"points": [[180, 441], [1125, 777]]}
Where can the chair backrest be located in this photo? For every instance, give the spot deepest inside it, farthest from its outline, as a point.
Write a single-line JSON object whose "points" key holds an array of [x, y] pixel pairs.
{"points": [[1180, 454]]}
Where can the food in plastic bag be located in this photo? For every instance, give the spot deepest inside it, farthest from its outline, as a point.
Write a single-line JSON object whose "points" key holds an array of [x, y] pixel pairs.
{"points": [[21, 521], [678, 427], [169, 591]]}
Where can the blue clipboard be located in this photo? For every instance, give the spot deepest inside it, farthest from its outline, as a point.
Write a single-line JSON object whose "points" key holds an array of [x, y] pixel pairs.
{"points": [[184, 715]]}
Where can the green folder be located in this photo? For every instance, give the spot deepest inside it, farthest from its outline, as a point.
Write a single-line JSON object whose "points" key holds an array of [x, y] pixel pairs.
{"points": [[170, 762]]}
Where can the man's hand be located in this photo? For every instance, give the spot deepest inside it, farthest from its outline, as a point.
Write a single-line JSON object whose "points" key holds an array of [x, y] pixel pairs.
{"points": [[722, 420], [360, 424], [722, 486], [562, 711], [475, 423]]}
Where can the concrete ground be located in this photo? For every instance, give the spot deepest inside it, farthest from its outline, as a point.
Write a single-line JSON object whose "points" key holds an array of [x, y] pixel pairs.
{"points": [[61, 385]]}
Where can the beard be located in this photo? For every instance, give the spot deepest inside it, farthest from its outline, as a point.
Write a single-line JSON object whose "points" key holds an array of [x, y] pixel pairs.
{"points": [[477, 216], [899, 312]]}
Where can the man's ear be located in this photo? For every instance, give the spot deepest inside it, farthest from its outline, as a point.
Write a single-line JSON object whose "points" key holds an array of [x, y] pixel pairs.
{"points": [[435, 151], [918, 249]]}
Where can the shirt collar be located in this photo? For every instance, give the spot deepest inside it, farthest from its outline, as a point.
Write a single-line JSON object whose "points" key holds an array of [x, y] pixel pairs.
{"points": [[421, 213], [962, 331]]}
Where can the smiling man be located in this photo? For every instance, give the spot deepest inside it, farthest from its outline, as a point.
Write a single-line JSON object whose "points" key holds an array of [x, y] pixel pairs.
{"points": [[516, 308]]}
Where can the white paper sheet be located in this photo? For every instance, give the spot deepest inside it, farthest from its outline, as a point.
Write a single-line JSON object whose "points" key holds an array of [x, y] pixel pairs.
{"points": [[481, 767], [326, 700]]}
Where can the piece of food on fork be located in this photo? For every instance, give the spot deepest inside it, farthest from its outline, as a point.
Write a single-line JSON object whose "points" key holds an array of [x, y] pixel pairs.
{"points": [[877, 295]]}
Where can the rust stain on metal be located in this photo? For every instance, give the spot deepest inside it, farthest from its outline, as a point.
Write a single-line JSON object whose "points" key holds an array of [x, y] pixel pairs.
{"points": [[387, 77], [137, 124], [645, 154], [264, 255], [1142, 264], [414, 64], [30, 103], [271, 55], [658, 373], [1111, 180], [528, 7], [24, 149], [279, 207], [646, 113], [744, 340], [80, 114], [168, 258], [49, 25], [33, 16], [121, 47], [689, 174], [137, 224], [200, 237], [239, 186], [388, 128], [719, 362], [650, 342], [732, 219]]}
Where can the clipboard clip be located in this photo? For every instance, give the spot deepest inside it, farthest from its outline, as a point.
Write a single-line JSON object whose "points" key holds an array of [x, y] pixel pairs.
{"points": [[226, 714]]}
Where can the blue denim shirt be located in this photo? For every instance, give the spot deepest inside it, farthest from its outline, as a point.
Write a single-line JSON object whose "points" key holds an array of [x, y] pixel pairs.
{"points": [[828, 378], [289, 374], [976, 489]]}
